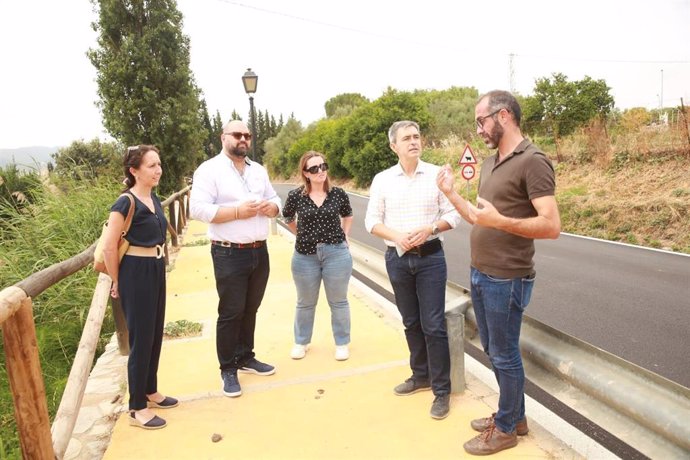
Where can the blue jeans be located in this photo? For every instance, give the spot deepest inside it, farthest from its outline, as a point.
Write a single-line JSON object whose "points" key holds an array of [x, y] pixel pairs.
{"points": [[332, 263], [498, 306], [419, 285], [241, 277]]}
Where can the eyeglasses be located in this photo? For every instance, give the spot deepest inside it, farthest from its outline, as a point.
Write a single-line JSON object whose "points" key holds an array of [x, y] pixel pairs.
{"points": [[480, 120], [315, 169], [238, 136]]}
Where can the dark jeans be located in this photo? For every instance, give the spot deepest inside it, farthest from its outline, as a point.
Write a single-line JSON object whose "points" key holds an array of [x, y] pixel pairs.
{"points": [[142, 296], [419, 285], [241, 277], [498, 306]]}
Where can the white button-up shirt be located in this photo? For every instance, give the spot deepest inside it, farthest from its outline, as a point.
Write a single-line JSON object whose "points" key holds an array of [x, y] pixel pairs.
{"points": [[404, 203], [217, 183]]}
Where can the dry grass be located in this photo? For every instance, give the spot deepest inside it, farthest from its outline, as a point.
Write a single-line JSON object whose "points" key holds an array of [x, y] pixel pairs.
{"points": [[646, 203]]}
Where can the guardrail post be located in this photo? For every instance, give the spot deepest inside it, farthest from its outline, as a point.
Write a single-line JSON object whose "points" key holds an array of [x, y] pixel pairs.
{"points": [[455, 323]]}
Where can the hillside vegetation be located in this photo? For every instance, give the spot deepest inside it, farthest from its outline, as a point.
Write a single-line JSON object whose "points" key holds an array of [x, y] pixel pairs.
{"points": [[641, 198], [645, 204]]}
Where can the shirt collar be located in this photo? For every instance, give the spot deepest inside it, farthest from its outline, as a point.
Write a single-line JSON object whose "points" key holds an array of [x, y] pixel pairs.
{"points": [[421, 168]]}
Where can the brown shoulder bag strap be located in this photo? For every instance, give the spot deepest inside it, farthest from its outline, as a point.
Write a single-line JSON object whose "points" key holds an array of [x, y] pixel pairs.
{"points": [[130, 214]]}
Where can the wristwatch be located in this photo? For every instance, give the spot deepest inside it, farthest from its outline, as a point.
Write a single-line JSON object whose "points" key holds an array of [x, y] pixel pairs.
{"points": [[434, 229]]}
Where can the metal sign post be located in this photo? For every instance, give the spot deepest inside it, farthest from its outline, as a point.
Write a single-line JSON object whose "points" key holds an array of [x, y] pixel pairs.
{"points": [[467, 161]]}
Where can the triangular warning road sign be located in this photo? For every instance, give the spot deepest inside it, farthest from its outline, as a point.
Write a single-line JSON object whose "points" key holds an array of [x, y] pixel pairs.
{"points": [[467, 157]]}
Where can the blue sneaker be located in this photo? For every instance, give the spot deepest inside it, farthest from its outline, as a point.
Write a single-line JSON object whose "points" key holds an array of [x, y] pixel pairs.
{"points": [[254, 366], [231, 386]]}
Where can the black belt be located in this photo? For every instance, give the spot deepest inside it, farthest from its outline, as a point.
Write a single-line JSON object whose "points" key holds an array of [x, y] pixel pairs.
{"points": [[428, 248], [228, 244]]}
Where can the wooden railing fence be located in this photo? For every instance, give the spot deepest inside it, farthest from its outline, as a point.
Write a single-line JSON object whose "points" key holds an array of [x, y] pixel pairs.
{"points": [[22, 354]]}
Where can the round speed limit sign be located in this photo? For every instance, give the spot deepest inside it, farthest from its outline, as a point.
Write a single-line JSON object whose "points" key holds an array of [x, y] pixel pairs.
{"points": [[467, 172]]}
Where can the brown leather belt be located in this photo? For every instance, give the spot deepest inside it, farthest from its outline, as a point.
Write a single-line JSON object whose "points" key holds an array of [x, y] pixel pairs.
{"points": [[428, 248], [156, 251], [228, 244]]}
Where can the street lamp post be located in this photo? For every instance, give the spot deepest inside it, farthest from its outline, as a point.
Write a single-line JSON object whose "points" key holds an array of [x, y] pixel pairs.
{"points": [[250, 80]]}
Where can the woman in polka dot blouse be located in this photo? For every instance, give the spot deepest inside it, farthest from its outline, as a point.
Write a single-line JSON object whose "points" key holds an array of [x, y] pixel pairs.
{"points": [[321, 217]]}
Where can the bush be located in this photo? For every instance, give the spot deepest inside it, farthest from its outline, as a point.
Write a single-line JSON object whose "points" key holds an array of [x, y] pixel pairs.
{"points": [[59, 225]]}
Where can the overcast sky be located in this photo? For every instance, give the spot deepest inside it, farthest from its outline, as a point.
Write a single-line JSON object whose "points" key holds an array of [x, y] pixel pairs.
{"points": [[306, 52]]}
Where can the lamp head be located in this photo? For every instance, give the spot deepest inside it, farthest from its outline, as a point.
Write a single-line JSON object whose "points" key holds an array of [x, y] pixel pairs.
{"points": [[250, 80]]}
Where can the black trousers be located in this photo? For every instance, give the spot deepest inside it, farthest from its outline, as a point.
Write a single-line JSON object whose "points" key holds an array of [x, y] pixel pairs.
{"points": [[142, 293], [241, 278]]}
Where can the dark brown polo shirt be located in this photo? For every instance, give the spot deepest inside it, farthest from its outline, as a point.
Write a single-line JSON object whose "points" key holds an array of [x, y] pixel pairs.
{"points": [[522, 176]]}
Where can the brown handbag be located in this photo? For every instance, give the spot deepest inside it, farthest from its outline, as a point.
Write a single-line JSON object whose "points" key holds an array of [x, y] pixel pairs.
{"points": [[122, 245]]}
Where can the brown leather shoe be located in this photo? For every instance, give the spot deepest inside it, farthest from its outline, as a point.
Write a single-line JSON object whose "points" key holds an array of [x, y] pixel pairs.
{"points": [[481, 424], [492, 440]]}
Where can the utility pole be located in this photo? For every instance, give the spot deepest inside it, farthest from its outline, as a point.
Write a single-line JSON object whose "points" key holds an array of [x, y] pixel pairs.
{"points": [[661, 94]]}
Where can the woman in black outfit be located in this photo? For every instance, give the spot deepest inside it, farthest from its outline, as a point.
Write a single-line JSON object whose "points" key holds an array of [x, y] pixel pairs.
{"points": [[139, 281]]}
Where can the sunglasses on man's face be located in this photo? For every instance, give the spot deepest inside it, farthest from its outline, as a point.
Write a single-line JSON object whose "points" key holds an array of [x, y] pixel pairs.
{"points": [[238, 136], [315, 169]]}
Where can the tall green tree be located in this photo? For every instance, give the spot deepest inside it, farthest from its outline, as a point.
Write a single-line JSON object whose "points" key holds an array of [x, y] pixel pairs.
{"points": [[89, 160], [366, 131], [146, 88], [277, 147], [559, 106], [452, 113], [344, 104]]}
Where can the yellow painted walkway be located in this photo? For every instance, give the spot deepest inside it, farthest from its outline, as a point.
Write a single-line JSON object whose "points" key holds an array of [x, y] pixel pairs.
{"points": [[314, 408]]}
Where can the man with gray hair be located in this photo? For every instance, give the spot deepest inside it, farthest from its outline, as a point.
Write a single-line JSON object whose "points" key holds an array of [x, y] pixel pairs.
{"points": [[515, 204], [409, 212]]}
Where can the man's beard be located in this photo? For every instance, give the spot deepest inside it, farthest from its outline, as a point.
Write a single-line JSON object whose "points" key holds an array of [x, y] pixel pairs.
{"points": [[494, 137], [239, 152]]}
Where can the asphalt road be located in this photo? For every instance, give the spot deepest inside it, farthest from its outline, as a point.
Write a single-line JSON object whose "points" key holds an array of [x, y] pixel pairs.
{"points": [[631, 301]]}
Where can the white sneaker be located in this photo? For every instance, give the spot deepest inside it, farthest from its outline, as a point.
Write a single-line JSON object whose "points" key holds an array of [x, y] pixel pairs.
{"points": [[298, 351], [342, 352]]}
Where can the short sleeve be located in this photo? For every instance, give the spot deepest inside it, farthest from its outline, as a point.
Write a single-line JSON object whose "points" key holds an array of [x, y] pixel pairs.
{"points": [[290, 207], [121, 205], [345, 206], [540, 177]]}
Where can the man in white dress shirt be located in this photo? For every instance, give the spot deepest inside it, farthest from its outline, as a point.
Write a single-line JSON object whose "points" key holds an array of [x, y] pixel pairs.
{"points": [[408, 211], [234, 195]]}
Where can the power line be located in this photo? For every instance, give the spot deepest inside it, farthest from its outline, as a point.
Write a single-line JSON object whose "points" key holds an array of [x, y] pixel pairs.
{"points": [[437, 45]]}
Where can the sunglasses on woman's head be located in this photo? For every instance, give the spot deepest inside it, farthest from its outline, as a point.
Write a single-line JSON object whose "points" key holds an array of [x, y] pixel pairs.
{"points": [[315, 169]]}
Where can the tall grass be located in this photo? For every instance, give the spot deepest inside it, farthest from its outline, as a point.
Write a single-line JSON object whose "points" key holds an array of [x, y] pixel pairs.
{"points": [[64, 220]]}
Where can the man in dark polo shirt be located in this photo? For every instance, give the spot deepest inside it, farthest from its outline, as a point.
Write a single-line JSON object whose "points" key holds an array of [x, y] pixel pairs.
{"points": [[515, 205]]}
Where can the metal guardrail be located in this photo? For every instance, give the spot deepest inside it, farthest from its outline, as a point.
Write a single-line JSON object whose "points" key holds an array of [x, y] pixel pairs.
{"points": [[645, 410]]}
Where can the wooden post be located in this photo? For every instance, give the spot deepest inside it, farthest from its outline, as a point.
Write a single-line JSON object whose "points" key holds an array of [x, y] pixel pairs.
{"points": [[685, 123], [180, 209], [179, 223], [26, 382], [72, 397], [172, 220]]}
